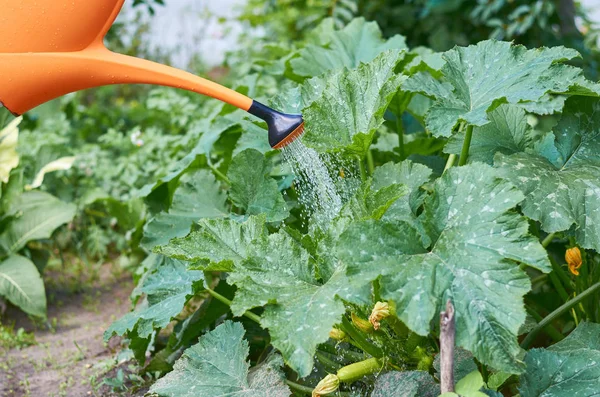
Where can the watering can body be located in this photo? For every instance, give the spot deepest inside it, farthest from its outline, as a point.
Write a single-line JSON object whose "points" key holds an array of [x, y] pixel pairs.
{"points": [[49, 48]]}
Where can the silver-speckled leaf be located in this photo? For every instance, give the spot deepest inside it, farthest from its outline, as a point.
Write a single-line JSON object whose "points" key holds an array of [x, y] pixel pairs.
{"points": [[561, 176], [479, 76], [167, 290], [478, 241], [221, 242], [300, 311], [570, 368], [507, 133], [358, 42], [252, 187], [199, 197], [216, 367], [351, 105], [405, 384]]}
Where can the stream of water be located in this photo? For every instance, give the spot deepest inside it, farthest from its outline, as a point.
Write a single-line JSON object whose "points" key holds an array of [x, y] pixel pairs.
{"points": [[316, 187]]}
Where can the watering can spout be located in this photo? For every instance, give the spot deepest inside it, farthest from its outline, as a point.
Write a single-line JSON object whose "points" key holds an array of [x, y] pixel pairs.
{"points": [[30, 79], [49, 48]]}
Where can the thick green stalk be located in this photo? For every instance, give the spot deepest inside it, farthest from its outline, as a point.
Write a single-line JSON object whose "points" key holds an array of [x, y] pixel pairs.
{"points": [[400, 132], [348, 355], [549, 329], [329, 364], [464, 154], [546, 241], [226, 301], [300, 388], [355, 371], [361, 166], [370, 162], [562, 276], [218, 173], [450, 162], [557, 313], [558, 286], [360, 339]]}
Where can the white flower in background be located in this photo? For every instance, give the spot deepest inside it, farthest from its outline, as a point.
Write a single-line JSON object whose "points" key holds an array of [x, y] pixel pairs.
{"points": [[136, 140]]}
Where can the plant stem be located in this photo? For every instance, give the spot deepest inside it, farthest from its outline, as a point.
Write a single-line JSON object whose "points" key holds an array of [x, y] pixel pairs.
{"points": [[360, 339], [549, 329], [450, 162], [558, 312], [298, 387], [346, 354], [370, 163], [222, 176], [400, 132], [561, 275], [464, 154], [546, 241], [361, 166], [327, 362], [226, 301], [559, 287], [355, 371]]}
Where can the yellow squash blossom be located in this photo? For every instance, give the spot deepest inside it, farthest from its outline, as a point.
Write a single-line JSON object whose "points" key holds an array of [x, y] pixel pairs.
{"points": [[573, 258]]}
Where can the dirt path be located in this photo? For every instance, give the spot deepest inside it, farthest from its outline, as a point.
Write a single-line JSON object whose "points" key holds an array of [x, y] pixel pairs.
{"points": [[71, 359]]}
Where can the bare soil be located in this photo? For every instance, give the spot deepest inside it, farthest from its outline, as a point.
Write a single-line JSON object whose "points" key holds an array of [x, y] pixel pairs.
{"points": [[70, 357]]}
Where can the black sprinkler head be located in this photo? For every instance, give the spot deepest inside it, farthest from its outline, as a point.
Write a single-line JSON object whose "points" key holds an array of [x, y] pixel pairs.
{"points": [[283, 128]]}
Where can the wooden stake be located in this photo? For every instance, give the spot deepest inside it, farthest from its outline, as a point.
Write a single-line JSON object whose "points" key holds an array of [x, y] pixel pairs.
{"points": [[447, 333]]}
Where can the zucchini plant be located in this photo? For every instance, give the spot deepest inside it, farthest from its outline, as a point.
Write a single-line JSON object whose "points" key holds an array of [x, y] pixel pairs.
{"points": [[465, 177]]}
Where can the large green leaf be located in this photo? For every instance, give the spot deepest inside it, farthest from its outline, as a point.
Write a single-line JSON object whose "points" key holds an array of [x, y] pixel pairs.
{"points": [[22, 285], [477, 242], [9, 158], [570, 368], [222, 242], [167, 290], [272, 270], [36, 216], [478, 77], [300, 310], [216, 367], [358, 42], [351, 105], [405, 384], [252, 187], [413, 176], [199, 197], [561, 176], [507, 133]]}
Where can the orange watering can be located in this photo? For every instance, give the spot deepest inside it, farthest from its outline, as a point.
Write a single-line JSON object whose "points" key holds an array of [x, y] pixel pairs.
{"points": [[49, 48]]}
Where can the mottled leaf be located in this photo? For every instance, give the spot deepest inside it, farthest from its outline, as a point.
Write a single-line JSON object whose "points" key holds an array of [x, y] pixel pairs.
{"points": [[405, 384], [216, 367], [413, 176], [199, 197], [561, 176], [358, 42], [477, 242], [222, 242], [300, 311], [507, 133], [252, 187], [167, 290], [478, 77], [351, 106], [570, 368]]}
